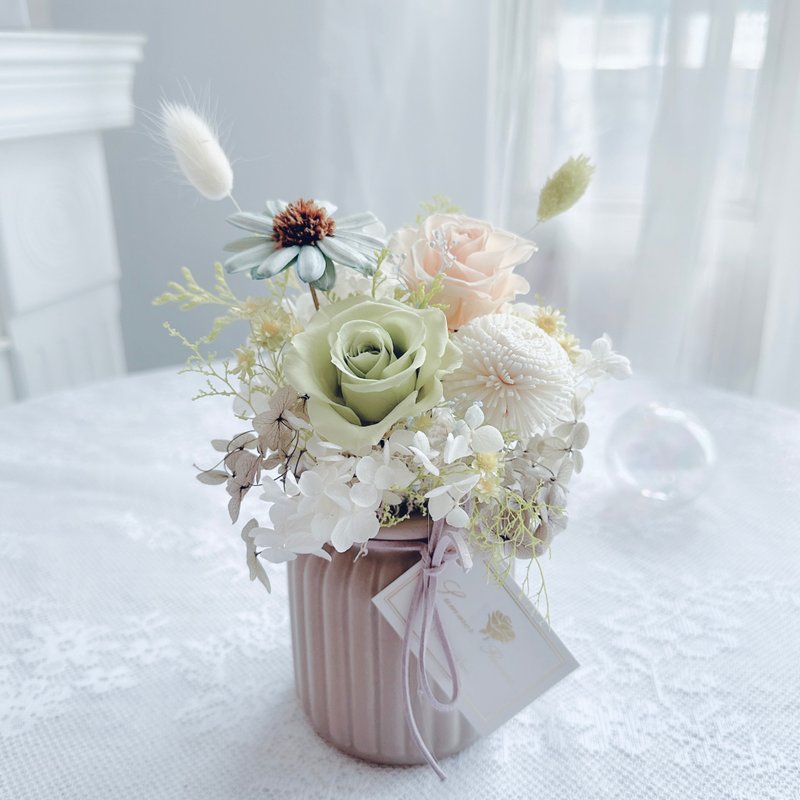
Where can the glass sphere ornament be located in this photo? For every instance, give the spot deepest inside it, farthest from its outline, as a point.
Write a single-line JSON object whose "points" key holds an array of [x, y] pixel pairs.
{"points": [[661, 452]]}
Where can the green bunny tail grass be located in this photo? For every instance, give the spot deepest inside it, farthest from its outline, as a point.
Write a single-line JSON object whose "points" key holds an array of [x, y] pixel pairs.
{"points": [[565, 187]]}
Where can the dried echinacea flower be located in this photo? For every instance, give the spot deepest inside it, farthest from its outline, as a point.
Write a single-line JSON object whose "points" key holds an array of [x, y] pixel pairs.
{"points": [[565, 187], [303, 234]]}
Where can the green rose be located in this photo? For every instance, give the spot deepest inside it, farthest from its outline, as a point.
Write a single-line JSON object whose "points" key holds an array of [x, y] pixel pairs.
{"points": [[365, 364]]}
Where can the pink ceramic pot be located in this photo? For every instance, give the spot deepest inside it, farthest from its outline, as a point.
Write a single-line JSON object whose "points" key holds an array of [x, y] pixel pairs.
{"points": [[347, 658]]}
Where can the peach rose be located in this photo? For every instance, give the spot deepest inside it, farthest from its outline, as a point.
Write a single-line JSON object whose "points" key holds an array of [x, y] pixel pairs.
{"points": [[476, 260]]}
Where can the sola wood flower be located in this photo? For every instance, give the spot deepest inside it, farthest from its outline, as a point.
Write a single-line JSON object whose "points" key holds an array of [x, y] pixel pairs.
{"points": [[304, 234], [521, 376]]}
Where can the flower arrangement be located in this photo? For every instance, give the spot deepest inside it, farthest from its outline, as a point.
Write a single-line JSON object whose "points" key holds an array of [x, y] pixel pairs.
{"points": [[386, 378]]}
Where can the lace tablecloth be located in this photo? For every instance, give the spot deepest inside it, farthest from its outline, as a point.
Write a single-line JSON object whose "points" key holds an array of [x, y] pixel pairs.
{"points": [[137, 661]]}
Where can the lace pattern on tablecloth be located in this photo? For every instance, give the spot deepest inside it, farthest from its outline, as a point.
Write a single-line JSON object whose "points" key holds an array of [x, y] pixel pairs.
{"points": [[137, 661]]}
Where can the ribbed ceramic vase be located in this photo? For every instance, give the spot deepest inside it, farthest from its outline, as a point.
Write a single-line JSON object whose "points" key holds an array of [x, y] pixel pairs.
{"points": [[347, 658]]}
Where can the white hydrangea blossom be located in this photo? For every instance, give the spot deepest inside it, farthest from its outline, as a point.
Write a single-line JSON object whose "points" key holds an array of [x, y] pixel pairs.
{"points": [[338, 496], [601, 361], [454, 461]]}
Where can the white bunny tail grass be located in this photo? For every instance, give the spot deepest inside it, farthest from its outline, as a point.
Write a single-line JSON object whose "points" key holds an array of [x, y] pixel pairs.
{"points": [[197, 150]]}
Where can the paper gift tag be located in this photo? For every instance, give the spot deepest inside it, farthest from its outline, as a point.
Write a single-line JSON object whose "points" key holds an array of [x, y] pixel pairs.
{"points": [[506, 653]]}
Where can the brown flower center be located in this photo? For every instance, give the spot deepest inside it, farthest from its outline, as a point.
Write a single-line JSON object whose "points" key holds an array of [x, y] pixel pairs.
{"points": [[300, 223]]}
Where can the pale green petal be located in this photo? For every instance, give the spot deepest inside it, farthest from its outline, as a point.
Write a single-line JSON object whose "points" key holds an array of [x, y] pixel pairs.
{"points": [[368, 252], [343, 254], [451, 359], [437, 340], [373, 400], [275, 207], [328, 207], [245, 244], [430, 394], [328, 279], [411, 360], [352, 436], [257, 223], [361, 238], [277, 262], [310, 264], [405, 329], [356, 221], [249, 258], [307, 364], [369, 364], [362, 347], [366, 245]]}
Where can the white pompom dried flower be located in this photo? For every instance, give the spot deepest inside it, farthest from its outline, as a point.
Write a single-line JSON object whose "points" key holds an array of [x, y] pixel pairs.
{"points": [[522, 377], [197, 150]]}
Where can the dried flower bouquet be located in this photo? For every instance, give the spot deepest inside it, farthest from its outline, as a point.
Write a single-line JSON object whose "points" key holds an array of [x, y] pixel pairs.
{"points": [[382, 379]]}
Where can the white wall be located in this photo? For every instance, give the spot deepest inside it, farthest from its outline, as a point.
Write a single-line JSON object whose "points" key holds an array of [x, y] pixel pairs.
{"points": [[310, 91]]}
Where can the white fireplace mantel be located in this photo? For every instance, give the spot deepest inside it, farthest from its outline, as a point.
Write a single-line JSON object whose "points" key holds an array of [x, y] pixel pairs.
{"points": [[59, 270], [53, 83]]}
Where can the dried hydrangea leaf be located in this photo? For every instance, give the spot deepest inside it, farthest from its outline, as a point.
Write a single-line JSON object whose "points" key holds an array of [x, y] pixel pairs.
{"points": [[212, 477]]}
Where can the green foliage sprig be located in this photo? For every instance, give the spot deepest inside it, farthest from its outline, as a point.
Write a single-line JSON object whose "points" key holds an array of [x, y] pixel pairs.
{"points": [[438, 204], [191, 295]]}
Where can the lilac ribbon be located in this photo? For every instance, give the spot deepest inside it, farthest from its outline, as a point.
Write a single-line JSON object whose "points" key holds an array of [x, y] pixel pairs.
{"points": [[444, 544]]}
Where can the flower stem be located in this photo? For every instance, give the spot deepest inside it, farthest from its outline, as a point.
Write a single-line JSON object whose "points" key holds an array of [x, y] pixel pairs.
{"points": [[532, 229], [314, 296]]}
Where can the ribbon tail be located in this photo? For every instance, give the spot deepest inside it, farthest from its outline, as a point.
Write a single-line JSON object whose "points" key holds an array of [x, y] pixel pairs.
{"points": [[411, 722], [432, 621], [441, 543]]}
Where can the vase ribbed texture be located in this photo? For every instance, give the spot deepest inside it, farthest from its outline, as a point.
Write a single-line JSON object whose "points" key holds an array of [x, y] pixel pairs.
{"points": [[347, 661]]}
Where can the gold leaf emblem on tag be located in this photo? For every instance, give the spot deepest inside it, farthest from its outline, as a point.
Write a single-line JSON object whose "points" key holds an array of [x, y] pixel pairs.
{"points": [[499, 627]]}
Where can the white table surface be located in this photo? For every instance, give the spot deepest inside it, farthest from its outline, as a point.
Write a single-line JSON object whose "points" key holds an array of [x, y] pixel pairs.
{"points": [[137, 661]]}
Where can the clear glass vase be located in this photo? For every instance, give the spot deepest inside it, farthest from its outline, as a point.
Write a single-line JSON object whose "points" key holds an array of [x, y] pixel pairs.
{"points": [[347, 658]]}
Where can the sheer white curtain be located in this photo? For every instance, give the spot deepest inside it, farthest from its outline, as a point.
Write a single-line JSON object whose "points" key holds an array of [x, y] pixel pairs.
{"points": [[686, 248], [403, 109]]}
